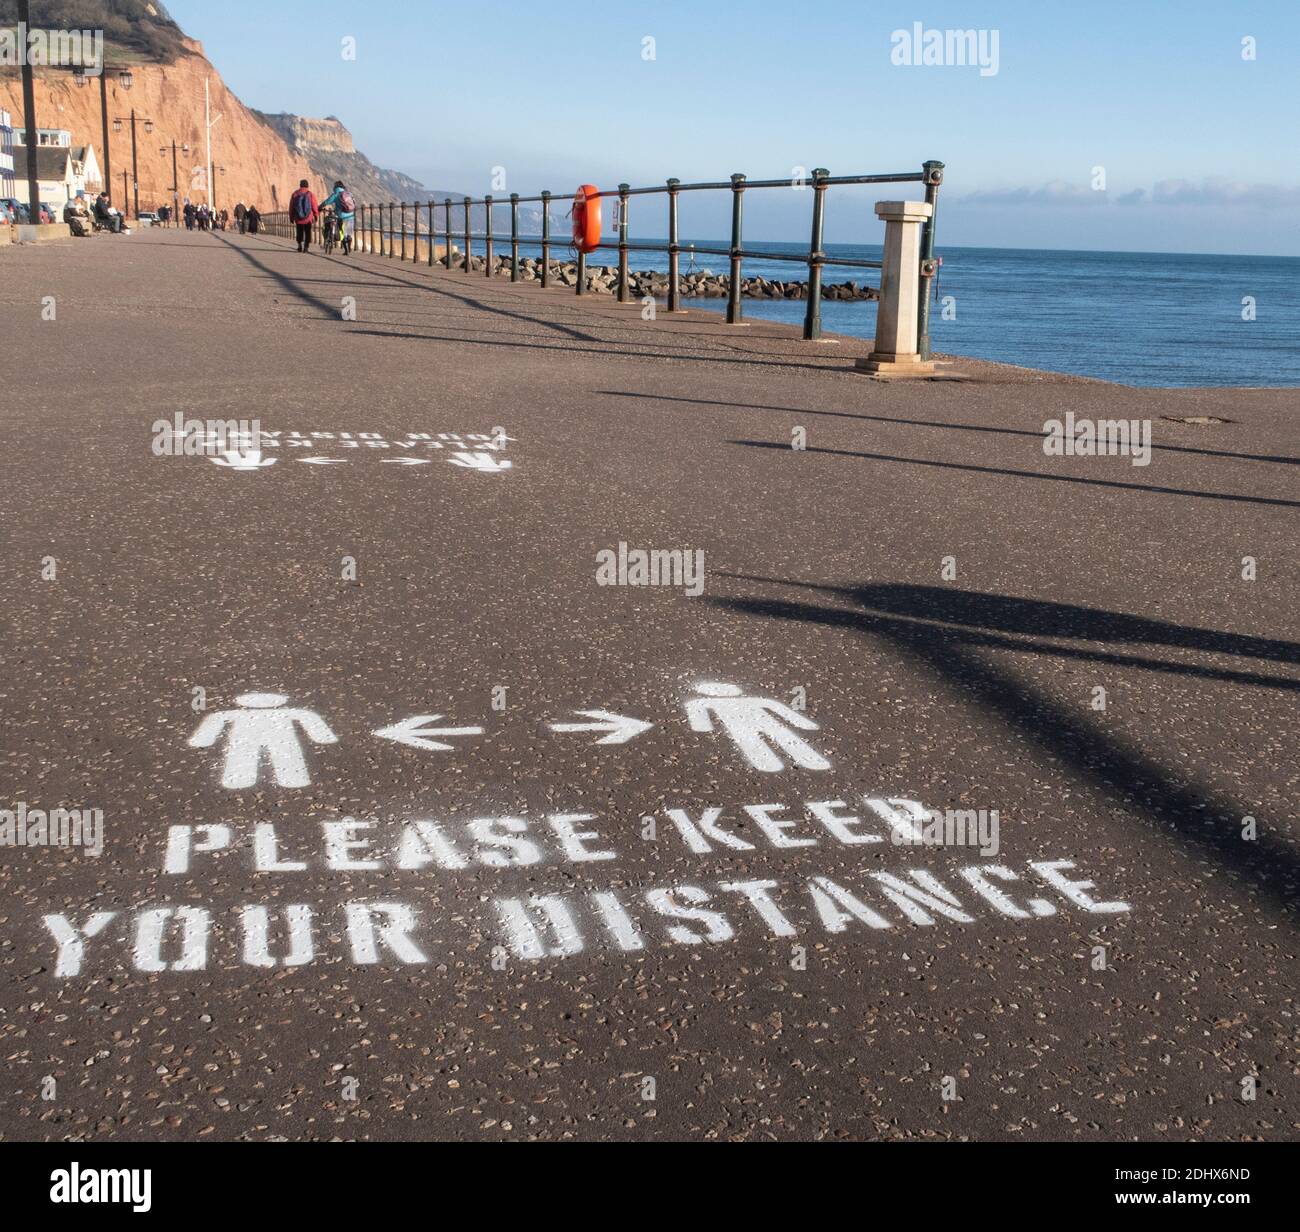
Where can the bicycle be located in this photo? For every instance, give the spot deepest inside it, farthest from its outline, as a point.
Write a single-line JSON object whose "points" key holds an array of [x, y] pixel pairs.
{"points": [[331, 229]]}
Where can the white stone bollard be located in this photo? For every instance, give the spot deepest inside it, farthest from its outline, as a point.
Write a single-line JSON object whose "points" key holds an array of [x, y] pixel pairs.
{"points": [[900, 291]]}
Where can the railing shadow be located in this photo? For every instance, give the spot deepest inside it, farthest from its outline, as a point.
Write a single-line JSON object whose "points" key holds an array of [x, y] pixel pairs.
{"points": [[941, 630], [983, 429], [1042, 476]]}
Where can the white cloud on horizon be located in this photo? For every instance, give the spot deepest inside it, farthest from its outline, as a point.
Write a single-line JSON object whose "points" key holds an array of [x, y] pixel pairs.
{"points": [[1211, 191]]}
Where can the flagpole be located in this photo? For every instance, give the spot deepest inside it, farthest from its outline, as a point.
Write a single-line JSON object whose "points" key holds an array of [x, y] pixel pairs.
{"points": [[207, 126]]}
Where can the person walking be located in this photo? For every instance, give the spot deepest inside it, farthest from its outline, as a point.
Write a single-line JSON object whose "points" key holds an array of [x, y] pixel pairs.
{"points": [[190, 215], [241, 214], [345, 206], [304, 211]]}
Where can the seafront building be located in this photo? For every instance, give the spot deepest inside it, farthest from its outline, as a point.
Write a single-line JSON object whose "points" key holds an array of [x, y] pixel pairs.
{"points": [[63, 170], [6, 154]]}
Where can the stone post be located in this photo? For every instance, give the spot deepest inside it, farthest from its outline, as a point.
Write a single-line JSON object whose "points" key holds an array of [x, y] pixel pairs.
{"points": [[900, 290]]}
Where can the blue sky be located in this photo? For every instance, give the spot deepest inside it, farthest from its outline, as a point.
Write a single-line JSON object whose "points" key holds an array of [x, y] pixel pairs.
{"points": [[1197, 143]]}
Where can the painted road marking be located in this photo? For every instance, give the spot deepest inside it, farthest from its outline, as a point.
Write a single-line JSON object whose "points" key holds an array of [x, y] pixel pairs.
{"points": [[243, 460], [413, 732], [262, 730], [475, 451], [479, 462], [618, 728], [534, 924], [757, 725]]}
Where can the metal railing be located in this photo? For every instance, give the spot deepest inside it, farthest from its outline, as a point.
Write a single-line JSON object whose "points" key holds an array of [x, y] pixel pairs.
{"points": [[387, 236]]}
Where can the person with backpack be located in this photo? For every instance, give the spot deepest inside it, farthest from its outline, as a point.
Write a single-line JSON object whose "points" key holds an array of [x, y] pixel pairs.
{"points": [[304, 211], [345, 206]]}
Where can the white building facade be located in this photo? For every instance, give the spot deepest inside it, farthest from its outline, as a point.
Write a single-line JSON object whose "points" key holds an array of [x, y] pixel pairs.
{"points": [[7, 168], [64, 170]]}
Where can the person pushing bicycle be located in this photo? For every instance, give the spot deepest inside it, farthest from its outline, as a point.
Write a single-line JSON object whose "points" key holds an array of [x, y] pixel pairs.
{"points": [[344, 207]]}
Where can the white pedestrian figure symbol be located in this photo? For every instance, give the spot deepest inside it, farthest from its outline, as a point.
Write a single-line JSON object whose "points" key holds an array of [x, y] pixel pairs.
{"points": [[758, 725], [262, 729]]}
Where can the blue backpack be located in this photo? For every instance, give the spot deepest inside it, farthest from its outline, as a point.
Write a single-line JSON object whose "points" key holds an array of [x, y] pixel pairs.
{"points": [[302, 206]]}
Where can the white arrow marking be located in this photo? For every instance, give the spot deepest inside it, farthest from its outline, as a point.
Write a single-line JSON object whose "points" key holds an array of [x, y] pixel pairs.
{"points": [[323, 461], [619, 728], [481, 461], [243, 460], [407, 461], [414, 732]]}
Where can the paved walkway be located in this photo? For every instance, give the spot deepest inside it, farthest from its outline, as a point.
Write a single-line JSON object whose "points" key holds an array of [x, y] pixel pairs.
{"points": [[413, 826]]}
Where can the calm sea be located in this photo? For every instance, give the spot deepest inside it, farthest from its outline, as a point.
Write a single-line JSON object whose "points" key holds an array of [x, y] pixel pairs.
{"points": [[1136, 318]]}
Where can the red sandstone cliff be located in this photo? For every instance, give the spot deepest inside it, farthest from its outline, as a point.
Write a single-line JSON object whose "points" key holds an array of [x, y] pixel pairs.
{"points": [[260, 167]]}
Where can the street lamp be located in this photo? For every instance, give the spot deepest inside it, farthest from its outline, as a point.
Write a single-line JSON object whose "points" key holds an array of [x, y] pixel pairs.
{"points": [[135, 163], [126, 80], [176, 183], [29, 124]]}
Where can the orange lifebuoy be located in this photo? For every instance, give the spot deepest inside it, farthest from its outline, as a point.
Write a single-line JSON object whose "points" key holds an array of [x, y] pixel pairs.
{"points": [[586, 218]]}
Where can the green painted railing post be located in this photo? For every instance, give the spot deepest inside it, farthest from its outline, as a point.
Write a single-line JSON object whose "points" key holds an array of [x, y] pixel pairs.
{"points": [[487, 262], [812, 321], [674, 261], [737, 218], [929, 267], [514, 237], [546, 238]]}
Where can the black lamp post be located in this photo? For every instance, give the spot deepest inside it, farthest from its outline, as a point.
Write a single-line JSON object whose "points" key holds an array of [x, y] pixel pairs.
{"points": [[176, 183], [126, 81], [135, 162], [29, 124]]}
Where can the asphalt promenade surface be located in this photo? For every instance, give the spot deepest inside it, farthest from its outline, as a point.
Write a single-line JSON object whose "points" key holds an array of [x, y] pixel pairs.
{"points": [[489, 849]]}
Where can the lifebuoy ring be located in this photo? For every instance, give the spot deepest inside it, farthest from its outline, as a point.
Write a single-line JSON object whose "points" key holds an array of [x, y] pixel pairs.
{"points": [[586, 218]]}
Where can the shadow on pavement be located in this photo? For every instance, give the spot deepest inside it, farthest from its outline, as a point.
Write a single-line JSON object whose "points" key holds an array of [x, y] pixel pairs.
{"points": [[941, 629], [784, 446], [934, 423], [597, 347]]}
